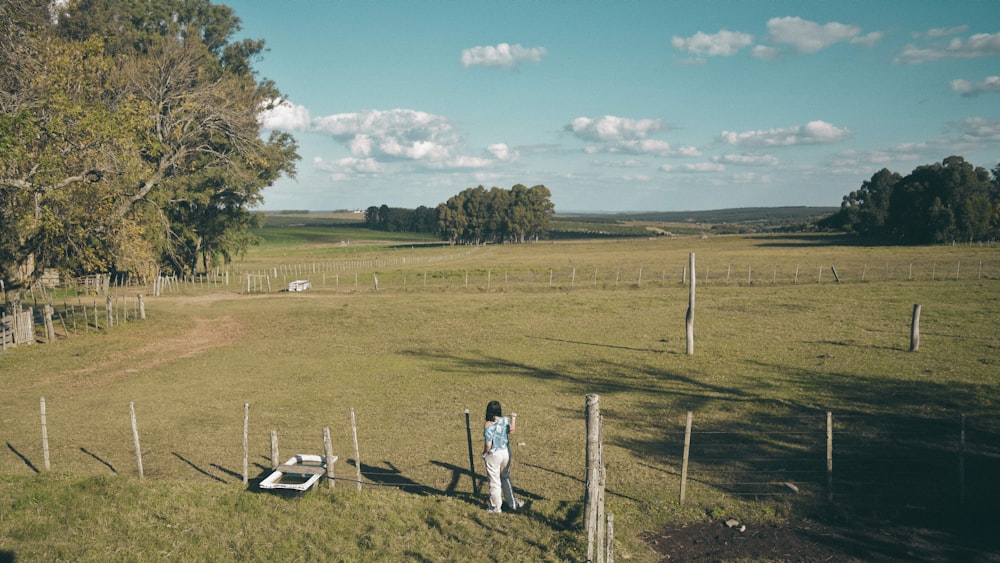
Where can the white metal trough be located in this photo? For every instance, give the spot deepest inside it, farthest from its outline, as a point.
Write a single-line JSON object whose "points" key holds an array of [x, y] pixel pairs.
{"points": [[299, 285], [299, 473]]}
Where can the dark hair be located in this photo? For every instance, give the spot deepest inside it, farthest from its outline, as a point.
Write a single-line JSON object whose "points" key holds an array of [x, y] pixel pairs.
{"points": [[493, 410]]}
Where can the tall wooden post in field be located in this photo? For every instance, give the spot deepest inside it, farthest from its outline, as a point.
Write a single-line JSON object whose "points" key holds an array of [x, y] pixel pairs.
{"points": [[915, 329], [593, 471], [690, 312]]}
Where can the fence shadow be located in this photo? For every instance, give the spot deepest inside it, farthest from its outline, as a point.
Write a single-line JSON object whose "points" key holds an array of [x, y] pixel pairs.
{"points": [[99, 459], [26, 461]]}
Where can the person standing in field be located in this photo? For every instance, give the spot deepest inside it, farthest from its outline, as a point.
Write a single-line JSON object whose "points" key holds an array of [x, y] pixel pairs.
{"points": [[496, 454]]}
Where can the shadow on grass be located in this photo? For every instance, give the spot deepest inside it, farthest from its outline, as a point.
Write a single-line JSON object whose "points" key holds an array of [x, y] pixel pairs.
{"points": [[26, 461], [99, 459], [198, 469]]}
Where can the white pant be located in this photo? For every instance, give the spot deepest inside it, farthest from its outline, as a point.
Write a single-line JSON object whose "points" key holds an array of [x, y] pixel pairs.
{"points": [[498, 470]]}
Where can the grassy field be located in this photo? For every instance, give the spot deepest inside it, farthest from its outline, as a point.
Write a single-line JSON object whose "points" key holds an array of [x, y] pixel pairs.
{"points": [[539, 327]]}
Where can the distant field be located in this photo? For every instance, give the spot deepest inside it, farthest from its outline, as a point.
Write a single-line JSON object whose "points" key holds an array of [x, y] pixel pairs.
{"points": [[779, 343]]}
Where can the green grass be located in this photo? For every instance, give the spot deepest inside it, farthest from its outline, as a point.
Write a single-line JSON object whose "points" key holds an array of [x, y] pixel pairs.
{"points": [[410, 359]]}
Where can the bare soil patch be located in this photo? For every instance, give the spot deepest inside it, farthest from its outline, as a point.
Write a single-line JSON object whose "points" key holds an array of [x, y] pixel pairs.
{"points": [[808, 540]]}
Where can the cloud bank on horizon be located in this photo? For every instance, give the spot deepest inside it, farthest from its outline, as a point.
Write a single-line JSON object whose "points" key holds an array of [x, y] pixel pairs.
{"points": [[785, 110]]}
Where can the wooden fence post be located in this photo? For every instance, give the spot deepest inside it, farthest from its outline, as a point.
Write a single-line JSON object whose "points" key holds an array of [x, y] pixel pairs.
{"points": [[274, 449], [684, 459], [472, 464], [135, 437], [357, 451], [142, 307], [610, 541], [829, 456], [593, 471], [915, 329], [50, 330], [328, 452], [689, 319], [110, 310], [246, 443], [45, 436]]}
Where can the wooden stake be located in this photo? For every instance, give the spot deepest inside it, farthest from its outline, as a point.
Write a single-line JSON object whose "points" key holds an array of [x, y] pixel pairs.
{"points": [[45, 437], [829, 456], [684, 459], [689, 319], [135, 438], [246, 443], [275, 461], [357, 453], [328, 452], [593, 471], [961, 464], [915, 329]]}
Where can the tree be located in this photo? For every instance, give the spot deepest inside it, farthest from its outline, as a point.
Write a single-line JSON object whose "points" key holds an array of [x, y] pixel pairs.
{"points": [[865, 211], [477, 216], [130, 137]]}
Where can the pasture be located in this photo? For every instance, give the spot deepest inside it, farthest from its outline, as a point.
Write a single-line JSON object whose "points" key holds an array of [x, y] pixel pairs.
{"points": [[779, 343]]}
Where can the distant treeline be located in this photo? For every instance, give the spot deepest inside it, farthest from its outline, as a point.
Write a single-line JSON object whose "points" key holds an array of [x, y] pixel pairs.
{"points": [[474, 216], [941, 202]]}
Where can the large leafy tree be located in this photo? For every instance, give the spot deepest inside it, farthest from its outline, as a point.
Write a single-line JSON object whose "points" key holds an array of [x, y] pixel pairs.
{"points": [[130, 137]]}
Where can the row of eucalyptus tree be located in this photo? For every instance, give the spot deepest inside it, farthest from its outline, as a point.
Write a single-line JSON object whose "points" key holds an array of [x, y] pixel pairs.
{"points": [[130, 138], [478, 216], [940, 202]]}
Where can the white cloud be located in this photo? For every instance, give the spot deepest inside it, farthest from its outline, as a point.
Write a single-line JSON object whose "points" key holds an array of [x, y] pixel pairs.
{"points": [[979, 129], [942, 31], [694, 167], [502, 152], [966, 88], [502, 55], [282, 114], [806, 36], [765, 53], [814, 132], [978, 45], [610, 128], [722, 44], [747, 159], [868, 40], [395, 134]]}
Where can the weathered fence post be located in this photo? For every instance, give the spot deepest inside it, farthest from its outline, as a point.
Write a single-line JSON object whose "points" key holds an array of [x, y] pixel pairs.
{"points": [[246, 443], [274, 449], [142, 306], [357, 451], [915, 329], [829, 456], [45, 436], [328, 452], [689, 320], [472, 464], [684, 459], [610, 541], [135, 437], [50, 330], [836, 276], [110, 310], [593, 471]]}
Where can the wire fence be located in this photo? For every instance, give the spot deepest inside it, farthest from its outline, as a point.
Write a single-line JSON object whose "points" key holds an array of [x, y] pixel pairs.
{"points": [[866, 461]]}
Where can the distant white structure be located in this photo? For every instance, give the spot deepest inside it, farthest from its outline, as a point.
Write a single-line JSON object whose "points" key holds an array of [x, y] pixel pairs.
{"points": [[299, 285]]}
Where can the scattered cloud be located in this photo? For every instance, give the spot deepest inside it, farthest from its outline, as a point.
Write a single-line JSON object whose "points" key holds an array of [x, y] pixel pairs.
{"points": [[722, 44], [391, 134], [941, 31], [969, 89], [282, 114], [765, 53], [979, 130], [610, 128], [978, 45], [747, 159], [869, 39], [502, 55], [814, 132], [694, 167], [501, 151], [805, 36]]}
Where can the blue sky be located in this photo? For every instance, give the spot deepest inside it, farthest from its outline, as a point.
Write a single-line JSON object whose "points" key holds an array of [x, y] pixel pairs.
{"points": [[624, 105]]}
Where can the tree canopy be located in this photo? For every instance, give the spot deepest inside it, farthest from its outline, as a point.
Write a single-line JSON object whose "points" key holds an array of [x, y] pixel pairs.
{"points": [[478, 216], [130, 137], [941, 202]]}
